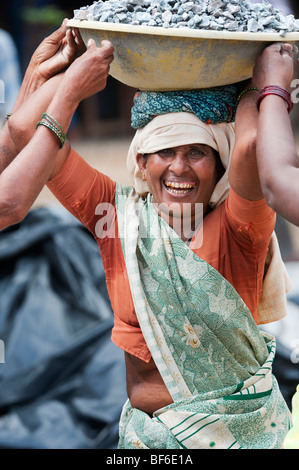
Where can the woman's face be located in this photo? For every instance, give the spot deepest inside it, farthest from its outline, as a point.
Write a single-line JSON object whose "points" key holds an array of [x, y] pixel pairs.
{"points": [[184, 174]]}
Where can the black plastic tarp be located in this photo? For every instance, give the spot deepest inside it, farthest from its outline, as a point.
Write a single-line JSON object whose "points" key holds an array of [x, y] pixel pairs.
{"points": [[62, 381]]}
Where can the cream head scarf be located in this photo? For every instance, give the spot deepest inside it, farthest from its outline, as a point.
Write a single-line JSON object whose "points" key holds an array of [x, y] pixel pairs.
{"points": [[182, 128]]}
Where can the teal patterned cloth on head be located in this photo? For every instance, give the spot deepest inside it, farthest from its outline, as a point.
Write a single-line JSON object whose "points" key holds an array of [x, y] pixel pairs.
{"points": [[212, 105]]}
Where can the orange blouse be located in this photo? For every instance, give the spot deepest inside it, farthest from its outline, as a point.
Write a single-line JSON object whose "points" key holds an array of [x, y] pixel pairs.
{"points": [[235, 241]]}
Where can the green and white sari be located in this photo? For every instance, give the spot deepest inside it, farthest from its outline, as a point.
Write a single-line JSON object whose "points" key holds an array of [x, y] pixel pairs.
{"points": [[214, 360]]}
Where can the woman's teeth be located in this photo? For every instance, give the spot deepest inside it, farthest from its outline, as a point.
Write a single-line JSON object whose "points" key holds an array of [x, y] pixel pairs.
{"points": [[179, 188]]}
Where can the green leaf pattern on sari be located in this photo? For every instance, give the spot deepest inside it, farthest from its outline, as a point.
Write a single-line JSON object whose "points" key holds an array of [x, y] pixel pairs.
{"points": [[214, 360]]}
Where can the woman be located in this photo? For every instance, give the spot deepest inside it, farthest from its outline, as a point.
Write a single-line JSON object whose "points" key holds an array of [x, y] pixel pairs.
{"points": [[198, 368]]}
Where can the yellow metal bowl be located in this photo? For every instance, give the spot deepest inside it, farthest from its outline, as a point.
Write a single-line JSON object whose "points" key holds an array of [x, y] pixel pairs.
{"points": [[161, 59]]}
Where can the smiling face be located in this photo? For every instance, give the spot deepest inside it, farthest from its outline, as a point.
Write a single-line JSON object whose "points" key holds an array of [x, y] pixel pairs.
{"points": [[184, 174]]}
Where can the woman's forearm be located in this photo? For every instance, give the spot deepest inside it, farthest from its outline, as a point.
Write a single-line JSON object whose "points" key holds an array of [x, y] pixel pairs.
{"points": [[8, 149], [31, 82], [22, 181], [40, 158], [243, 173], [277, 157], [22, 123]]}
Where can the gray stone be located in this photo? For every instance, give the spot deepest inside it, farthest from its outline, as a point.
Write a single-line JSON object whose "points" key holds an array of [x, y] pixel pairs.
{"points": [[253, 25], [166, 16]]}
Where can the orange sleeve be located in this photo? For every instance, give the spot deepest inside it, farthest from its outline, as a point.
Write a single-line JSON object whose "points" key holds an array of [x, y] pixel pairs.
{"points": [[253, 220], [80, 188], [130, 339]]}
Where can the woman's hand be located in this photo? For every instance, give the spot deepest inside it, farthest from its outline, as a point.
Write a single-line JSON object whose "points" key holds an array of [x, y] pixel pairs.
{"points": [[274, 66], [88, 74], [56, 52]]}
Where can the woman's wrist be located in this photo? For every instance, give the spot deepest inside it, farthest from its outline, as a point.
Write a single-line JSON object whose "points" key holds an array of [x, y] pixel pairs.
{"points": [[276, 90], [31, 82], [63, 106], [51, 123], [249, 89], [68, 95]]}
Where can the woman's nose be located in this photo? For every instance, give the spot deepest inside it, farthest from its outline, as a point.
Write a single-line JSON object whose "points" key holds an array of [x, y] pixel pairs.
{"points": [[179, 164]]}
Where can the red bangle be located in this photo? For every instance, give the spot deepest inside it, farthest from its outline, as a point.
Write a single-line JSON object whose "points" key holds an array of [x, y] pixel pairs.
{"points": [[275, 90]]}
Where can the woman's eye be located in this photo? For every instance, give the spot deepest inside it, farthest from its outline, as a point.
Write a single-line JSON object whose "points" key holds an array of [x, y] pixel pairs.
{"points": [[166, 152], [191, 153], [196, 153]]}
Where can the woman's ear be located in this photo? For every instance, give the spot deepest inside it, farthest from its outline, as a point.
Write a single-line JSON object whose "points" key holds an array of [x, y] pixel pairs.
{"points": [[141, 162]]}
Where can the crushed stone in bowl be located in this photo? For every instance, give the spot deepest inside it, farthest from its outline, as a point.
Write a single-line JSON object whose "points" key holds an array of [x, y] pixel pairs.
{"points": [[217, 15]]}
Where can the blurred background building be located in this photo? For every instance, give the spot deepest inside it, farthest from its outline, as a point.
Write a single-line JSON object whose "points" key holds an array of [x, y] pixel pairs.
{"points": [[28, 22]]}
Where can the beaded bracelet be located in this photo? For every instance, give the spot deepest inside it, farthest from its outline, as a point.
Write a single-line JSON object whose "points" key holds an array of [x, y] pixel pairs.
{"points": [[53, 129], [275, 90], [253, 88], [51, 123]]}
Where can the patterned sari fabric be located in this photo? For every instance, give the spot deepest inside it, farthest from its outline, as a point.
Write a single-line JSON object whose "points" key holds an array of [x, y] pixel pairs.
{"points": [[214, 360], [292, 438]]}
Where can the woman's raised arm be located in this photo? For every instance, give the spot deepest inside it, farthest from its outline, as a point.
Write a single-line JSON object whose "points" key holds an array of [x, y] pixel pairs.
{"points": [[55, 53], [23, 179], [277, 156], [243, 173]]}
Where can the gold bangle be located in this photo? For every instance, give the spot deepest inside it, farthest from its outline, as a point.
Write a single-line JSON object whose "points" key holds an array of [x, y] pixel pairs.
{"points": [[253, 88], [53, 121], [54, 129]]}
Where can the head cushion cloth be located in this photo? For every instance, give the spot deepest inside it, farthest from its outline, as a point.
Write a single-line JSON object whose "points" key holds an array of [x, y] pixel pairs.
{"points": [[211, 105]]}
